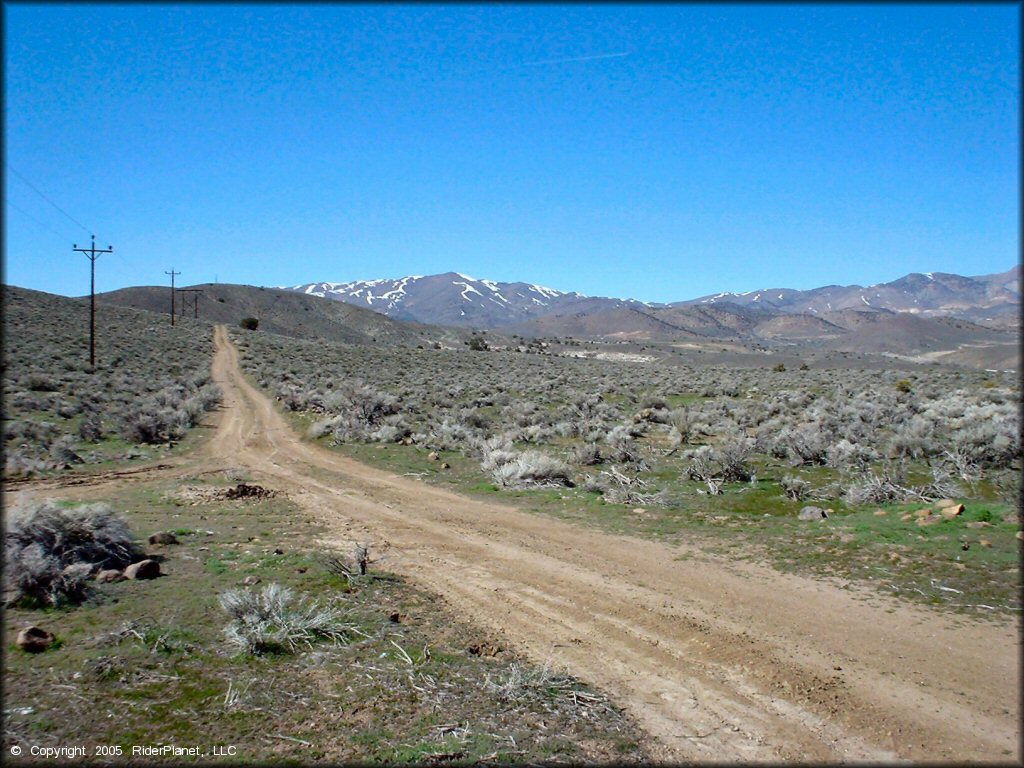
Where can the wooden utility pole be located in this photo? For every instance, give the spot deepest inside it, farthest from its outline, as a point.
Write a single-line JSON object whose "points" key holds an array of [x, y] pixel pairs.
{"points": [[92, 253], [195, 300], [172, 273]]}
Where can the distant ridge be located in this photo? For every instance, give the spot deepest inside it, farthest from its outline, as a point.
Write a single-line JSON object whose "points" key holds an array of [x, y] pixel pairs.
{"points": [[456, 299]]}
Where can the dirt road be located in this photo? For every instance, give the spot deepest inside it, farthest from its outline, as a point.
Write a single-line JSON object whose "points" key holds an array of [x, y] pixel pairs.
{"points": [[718, 661]]}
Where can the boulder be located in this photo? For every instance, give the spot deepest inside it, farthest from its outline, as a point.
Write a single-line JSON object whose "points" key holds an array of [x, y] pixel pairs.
{"points": [[144, 569], [109, 576], [34, 639], [945, 503], [812, 513], [164, 537], [951, 511]]}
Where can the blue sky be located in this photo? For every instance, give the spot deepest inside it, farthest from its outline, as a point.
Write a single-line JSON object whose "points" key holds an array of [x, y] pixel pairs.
{"points": [[655, 152]]}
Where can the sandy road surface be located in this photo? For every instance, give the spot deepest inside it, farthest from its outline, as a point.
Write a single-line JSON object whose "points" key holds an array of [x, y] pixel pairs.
{"points": [[718, 661]]}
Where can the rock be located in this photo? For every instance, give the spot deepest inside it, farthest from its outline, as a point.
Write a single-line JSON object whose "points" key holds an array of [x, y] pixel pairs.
{"points": [[251, 581], [34, 639], [278, 551], [945, 503], [930, 520], [1020, 534], [812, 513], [951, 511], [978, 524], [906, 517], [109, 576], [144, 569], [880, 513], [395, 617], [985, 543], [923, 512], [164, 537], [446, 465], [433, 456]]}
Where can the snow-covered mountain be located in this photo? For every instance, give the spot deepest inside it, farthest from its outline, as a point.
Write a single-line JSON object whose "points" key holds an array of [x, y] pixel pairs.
{"points": [[456, 299], [983, 298]]}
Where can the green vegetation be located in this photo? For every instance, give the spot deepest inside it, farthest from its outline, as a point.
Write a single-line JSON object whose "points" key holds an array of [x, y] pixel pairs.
{"points": [[152, 662]]}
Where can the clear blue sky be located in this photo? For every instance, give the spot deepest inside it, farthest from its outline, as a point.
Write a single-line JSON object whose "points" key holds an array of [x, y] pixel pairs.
{"points": [[660, 152]]}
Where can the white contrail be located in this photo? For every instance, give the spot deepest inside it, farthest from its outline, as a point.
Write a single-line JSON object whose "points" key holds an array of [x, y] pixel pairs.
{"points": [[577, 58]]}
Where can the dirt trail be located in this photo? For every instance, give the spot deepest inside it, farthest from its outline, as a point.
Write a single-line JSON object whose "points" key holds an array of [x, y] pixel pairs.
{"points": [[718, 661]]}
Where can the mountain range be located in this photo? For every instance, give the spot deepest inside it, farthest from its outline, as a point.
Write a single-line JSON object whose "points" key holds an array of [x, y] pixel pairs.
{"points": [[455, 299]]}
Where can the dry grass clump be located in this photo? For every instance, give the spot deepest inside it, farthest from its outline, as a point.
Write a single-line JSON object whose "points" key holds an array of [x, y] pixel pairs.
{"points": [[273, 621], [50, 551]]}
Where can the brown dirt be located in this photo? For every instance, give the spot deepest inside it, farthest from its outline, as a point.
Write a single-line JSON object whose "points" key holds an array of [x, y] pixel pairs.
{"points": [[719, 661]]}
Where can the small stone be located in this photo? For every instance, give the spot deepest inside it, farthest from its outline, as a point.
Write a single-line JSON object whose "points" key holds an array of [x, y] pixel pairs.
{"points": [[446, 465], [880, 513], [922, 512], [978, 524], [945, 503], [109, 576], [433, 456], [34, 639], [1020, 534], [985, 543], [812, 513], [251, 581], [930, 520], [278, 551], [144, 569], [164, 537], [951, 511], [906, 517]]}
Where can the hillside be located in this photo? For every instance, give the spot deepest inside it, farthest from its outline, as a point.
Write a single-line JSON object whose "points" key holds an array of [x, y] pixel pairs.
{"points": [[283, 312]]}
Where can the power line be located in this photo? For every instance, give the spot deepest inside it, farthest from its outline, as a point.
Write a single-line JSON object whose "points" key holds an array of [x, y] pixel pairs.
{"points": [[47, 227], [47, 199]]}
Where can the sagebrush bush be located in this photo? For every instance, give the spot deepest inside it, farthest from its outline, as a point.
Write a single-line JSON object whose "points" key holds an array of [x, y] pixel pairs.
{"points": [[49, 551], [271, 620]]}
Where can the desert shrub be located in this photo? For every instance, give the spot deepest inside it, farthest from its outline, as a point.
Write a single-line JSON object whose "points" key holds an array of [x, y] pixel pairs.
{"points": [[587, 454], [530, 469], [621, 445], [795, 487], [154, 424], [733, 456], [50, 551], [249, 323], [807, 444], [850, 456], [90, 429], [272, 621]]}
